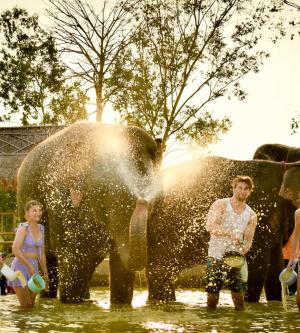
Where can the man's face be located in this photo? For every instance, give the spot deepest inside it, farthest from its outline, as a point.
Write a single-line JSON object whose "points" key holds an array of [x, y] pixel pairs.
{"points": [[241, 191]]}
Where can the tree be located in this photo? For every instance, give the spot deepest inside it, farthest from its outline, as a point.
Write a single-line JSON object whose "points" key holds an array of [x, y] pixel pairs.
{"points": [[32, 78], [292, 4], [184, 56], [93, 39], [295, 121]]}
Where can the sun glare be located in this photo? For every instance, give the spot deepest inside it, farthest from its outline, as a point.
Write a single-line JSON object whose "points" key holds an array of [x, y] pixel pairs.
{"points": [[110, 117]]}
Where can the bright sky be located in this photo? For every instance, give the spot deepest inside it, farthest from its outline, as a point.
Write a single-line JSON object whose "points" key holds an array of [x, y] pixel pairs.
{"points": [[264, 117]]}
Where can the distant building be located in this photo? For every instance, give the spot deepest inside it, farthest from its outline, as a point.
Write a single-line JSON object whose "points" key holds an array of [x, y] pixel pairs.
{"points": [[15, 143]]}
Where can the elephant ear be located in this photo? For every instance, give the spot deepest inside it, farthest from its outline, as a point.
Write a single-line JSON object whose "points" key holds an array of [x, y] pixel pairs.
{"points": [[293, 155], [291, 178]]}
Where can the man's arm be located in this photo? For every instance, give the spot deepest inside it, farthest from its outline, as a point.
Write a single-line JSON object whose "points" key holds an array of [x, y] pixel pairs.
{"points": [[249, 233], [214, 219]]}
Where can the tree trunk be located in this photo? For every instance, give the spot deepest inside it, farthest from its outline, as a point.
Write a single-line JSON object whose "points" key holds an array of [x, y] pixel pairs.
{"points": [[161, 148], [99, 102]]}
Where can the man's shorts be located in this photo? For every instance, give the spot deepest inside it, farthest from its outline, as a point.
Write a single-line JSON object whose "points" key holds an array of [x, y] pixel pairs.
{"points": [[219, 273]]}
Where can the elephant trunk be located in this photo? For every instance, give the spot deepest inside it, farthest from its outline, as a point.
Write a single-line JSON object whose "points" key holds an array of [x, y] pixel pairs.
{"points": [[138, 236]]}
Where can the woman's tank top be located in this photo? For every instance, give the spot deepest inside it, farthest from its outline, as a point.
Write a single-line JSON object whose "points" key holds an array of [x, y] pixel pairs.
{"points": [[231, 221], [30, 245]]}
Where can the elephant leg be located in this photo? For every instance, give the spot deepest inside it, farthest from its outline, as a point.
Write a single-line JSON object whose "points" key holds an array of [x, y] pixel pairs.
{"points": [[161, 283], [121, 281], [92, 269], [258, 267], [73, 284], [53, 277], [272, 283]]}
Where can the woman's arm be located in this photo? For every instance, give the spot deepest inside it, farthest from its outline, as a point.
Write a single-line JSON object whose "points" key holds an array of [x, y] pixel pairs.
{"points": [[295, 238], [17, 246], [42, 259]]}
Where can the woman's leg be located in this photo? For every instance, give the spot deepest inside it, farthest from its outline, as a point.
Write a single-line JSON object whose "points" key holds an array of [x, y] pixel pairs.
{"points": [[298, 290], [24, 297], [32, 297]]}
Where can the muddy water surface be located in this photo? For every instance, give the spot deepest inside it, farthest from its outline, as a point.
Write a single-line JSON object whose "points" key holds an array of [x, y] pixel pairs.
{"points": [[188, 314]]}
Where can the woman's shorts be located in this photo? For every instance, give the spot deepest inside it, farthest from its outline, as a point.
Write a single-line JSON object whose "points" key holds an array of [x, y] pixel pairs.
{"points": [[16, 265]]}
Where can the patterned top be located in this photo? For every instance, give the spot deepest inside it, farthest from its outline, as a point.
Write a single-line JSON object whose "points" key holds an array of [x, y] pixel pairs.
{"points": [[30, 245]]}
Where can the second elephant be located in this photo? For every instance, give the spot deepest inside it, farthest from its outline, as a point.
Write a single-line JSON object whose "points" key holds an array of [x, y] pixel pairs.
{"points": [[177, 235]]}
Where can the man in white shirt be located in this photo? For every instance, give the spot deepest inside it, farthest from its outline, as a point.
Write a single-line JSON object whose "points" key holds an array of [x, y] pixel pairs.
{"points": [[231, 223]]}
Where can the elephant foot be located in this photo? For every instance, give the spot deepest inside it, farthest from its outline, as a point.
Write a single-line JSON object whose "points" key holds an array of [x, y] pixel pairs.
{"points": [[71, 300], [162, 296], [274, 298], [121, 281], [48, 294], [72, 294], [255, 288], [252, 298]]}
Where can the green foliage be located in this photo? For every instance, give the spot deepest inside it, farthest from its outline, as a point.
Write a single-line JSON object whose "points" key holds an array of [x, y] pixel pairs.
{"points": [[8, 200], [8, 203], [183, 56], [204, 131], [32, 78], [295, 123]]}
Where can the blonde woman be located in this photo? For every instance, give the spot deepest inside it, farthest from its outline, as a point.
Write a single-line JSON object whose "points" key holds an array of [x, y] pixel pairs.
{"points": [[28, 248]]}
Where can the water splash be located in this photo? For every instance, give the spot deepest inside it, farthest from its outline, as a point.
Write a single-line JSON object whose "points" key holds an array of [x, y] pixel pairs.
{"points": [[145, 186]]}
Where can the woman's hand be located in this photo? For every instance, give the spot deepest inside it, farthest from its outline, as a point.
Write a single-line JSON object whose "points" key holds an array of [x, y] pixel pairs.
{"points": [[292, 263]]}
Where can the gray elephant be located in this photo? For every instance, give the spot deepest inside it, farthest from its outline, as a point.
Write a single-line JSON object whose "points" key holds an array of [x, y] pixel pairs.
{"points": [[91, 179], [281, 153], [177, 237], [277, 152]]}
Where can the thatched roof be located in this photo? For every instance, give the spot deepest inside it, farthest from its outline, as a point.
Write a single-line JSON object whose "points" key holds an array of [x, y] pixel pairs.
{"points": [[15, 143]]}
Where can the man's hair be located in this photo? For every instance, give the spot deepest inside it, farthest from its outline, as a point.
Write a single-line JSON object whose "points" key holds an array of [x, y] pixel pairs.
{"points": [[243, 179], [32, 203]]}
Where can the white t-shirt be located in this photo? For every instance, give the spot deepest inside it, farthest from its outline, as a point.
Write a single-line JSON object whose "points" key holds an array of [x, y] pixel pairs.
{"points": [[231, 221]]}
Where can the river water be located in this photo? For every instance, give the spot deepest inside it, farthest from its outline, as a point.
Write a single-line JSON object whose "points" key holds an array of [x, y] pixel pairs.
{"points": [[188, 314]]}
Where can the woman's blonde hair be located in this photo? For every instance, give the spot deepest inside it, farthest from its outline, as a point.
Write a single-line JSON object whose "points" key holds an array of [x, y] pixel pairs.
{"points": [[32, 203]]}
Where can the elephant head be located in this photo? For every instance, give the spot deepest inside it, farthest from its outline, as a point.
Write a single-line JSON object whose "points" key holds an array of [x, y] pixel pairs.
{"points": [[290, 187], [136, 174], [118, 184]]}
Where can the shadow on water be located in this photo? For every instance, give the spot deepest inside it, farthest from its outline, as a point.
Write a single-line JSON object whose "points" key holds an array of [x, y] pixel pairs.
{"points": [[188, 314]]}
